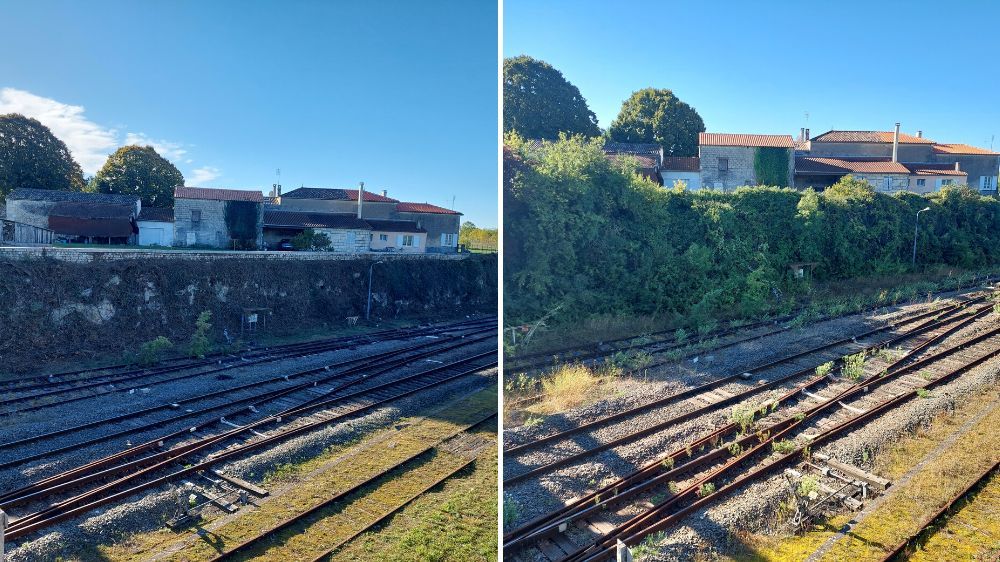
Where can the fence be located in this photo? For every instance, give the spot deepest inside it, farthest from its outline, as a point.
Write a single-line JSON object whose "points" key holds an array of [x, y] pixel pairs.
{"points": [[12, 232]]}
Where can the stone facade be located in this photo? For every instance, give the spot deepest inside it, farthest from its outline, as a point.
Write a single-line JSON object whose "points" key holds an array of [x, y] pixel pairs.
{"points": [[35, 213], [886, 183], [737, 169], [370, 209], [202, 222], [352, 241]]}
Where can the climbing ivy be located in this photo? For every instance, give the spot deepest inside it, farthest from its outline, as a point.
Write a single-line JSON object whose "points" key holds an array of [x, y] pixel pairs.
{"points": [[770, 166], [241, 221]]}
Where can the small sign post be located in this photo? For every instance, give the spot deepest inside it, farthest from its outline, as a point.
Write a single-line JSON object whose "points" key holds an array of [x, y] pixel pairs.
{"points": [[624, 554]]}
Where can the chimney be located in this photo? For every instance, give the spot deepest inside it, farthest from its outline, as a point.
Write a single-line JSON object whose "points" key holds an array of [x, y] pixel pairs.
{"points": [[895, 144], [957, 168], [802, 134], [807, 134], [361, 197], [385, 193], [920, 134]]}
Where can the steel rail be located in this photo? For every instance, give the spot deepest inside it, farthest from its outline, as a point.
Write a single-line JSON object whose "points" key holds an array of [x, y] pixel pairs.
{"points": [[366, 363], [633, 483], [940, 515], [679, 418], [658, 519], [67, 509], [342, 494]]}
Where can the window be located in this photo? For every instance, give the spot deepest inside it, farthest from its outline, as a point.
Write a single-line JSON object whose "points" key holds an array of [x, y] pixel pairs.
{"points": [[921, 182], [723, 164], [407, 240], [988, 182], [195, 216], [449, 240], [383, 237], [947, 182], [887, 184]]}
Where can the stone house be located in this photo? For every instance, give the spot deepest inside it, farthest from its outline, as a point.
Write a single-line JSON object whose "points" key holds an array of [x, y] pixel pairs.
{"points": [[218, 218], [820, 173], [727, 160], [346, 232], [442, 225], [397, 236]]}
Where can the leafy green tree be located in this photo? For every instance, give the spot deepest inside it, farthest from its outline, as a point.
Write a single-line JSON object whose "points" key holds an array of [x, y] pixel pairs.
{"points": [[475, 237], [539, 103], [31, 156], [658, 116], [201, 345], [310, 240], [139, 170]]}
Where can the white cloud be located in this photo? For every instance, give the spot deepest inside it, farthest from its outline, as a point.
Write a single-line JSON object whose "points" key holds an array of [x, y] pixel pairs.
{"points": [[89, 143], [173, 151], [201, 176]]}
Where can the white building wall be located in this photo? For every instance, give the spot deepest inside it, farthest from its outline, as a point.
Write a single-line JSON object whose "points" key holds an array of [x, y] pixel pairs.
{"points": [[156, 233], [691, 179]]}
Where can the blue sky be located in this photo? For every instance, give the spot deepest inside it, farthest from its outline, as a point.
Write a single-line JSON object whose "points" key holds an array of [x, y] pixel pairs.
{"points": [[759, 67], [401, 95]]}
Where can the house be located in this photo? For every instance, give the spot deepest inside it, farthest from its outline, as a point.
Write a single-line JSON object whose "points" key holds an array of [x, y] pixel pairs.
{"points": [[442, 225], [684, 169], [156, 226], [77, 217], [397, 235], [727, 161], [980, 165], [332, 200], [346, 232], [218, 218], [820, 173], [927, 178]]}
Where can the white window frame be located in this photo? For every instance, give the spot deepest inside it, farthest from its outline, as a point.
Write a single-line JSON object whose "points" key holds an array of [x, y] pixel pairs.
{"points": [[921, 182], [383, 237], [408, 241]]}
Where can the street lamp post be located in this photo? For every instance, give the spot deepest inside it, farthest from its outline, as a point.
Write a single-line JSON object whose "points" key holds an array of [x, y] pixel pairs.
{"points": [[915, 226], [368, 310]]}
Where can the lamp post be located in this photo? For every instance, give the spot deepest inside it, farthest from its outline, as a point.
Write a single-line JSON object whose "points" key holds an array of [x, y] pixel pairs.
{"points": [[915, 226], [368, 310]]}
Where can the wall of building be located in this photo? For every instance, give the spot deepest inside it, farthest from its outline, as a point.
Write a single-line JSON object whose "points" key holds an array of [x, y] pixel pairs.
{"points": [[104, 303], [906, 152], [896, 182], [436, 224], [394, 241], [369, 209], [211, 230], [692, 179], [156, 233], [740, 171], [976, 166], [35, 213], [352, 241]]}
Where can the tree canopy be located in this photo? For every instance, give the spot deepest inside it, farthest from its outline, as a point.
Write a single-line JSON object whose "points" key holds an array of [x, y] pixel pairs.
{"points": [[658, 116], [31, 156], [475, 237], [139, 170], [539, 103]]}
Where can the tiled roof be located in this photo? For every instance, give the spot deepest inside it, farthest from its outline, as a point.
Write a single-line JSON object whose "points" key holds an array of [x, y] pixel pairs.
{"points": [[928, 169], [297, 219], [682, 163], [644, 161], [90, 210], [334, 194], [55, 195], [213, 194], [725, 139], [159, 214], [424, 208], [813, 165], [270, 200], [869, 136], [394, 226], [962, 149]]}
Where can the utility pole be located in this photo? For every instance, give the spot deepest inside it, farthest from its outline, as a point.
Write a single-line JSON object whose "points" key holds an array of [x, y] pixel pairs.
{"points": [[368, 310], [916, 224]]}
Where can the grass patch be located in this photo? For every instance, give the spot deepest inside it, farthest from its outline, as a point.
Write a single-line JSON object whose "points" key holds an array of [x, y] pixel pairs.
{"points": [[572, 385]]}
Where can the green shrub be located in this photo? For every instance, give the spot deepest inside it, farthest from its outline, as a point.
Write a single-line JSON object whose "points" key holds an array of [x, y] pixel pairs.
{"points": [[152, 351], [854, 366], [706, 489], [310, 240], [200, 343], [784, 446], [743, 416]]}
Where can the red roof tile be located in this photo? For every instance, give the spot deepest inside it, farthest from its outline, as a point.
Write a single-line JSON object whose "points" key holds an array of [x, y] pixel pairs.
{"points": [[962, 149], [682, 163], [218, 194], [937, 172], [724, 139], [869, 136], [424, 208], [370, 197], [160, 214], [813, 165]]}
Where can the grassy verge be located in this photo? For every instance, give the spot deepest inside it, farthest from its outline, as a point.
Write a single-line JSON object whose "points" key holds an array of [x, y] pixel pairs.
{"points": [[972, 532], [907, 504], [567, 386], [297, 487], [820, 299]]}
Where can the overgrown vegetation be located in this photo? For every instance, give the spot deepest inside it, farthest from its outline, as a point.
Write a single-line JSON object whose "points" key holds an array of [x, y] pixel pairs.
{"points": [[743, 416], [201, 345], [590, 237], [151, 352], [311, 241], [783, 447], [854, 366], [770, 165], [242, 219]]}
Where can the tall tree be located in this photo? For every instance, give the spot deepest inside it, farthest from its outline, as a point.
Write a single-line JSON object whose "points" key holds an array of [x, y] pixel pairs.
{"points": [[539, 103], [31, 156], [139, 170], [658, 116]]}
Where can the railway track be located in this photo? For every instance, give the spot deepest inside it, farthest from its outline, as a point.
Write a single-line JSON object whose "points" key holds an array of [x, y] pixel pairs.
{"points": [[343, 373], [47, 393], [940, 516], [704, 471], [280, 533], [728, 390], [151, 464], [532, 362]]}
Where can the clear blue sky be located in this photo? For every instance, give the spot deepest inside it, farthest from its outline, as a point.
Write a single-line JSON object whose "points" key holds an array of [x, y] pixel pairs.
{"points": [[401, 95], [758, 67]]}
